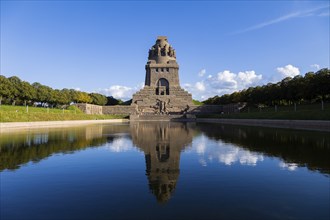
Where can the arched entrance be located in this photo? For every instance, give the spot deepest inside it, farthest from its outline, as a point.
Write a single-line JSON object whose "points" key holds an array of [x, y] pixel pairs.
{"points": [[162, 87]]}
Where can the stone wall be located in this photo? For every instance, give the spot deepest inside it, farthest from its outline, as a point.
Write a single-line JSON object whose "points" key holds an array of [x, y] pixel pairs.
{"points": [[90, 109], [113, 110], [205, 109], [131, 109], [118, 109]]}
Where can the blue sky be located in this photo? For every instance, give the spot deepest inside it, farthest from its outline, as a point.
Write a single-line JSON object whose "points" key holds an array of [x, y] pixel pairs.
{"points": [[221, 46]]}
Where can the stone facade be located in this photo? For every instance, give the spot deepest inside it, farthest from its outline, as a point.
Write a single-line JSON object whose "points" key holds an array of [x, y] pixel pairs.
{"points": [[162, 93]]}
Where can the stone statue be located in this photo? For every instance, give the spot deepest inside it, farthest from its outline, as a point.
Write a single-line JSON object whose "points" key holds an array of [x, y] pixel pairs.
{"points": [[170, 52], [160, 107], [150, 54], [158, 50], [185, 110], [163, 51], [137, 109], [166, 49]]}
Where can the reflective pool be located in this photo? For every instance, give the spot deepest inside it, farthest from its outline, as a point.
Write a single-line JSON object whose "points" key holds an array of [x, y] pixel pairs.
{"points": [[164, 171]]}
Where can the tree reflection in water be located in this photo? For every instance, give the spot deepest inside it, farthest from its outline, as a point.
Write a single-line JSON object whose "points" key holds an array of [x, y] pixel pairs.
{"points": [[294, 147]]}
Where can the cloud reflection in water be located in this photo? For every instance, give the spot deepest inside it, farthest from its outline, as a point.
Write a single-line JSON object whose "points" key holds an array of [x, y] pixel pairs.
{"points": [[288, 166], [120, 144], [222, 152]]}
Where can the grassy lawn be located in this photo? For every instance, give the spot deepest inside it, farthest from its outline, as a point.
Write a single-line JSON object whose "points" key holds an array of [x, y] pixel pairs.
{"points": [[303, 112], [10, 113]]}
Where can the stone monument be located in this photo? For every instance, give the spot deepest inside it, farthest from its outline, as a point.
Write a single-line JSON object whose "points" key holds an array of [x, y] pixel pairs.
{"points": [[162, 94], [162, 98]]}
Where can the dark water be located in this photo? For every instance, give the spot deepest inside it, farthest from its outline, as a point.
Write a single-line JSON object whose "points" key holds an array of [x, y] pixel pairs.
{"points": [[165, 171]]}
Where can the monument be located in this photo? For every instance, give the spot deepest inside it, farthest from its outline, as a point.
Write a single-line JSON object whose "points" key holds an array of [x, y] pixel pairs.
{"points": [[162, 98], [162, 94]]}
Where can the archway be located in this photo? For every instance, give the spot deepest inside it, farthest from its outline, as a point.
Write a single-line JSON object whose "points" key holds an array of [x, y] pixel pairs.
{"points": [[162, 87]]}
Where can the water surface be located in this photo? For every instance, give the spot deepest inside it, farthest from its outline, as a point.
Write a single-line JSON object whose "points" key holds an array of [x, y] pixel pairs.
{"points": [[164, 171]]}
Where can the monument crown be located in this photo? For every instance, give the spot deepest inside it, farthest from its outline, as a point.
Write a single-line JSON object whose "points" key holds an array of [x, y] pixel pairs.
{"points": [[162, 51]]}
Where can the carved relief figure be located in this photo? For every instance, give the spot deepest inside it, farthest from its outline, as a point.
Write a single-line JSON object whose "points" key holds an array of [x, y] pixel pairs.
{"points": [[170, 51], [150, 54], [158, 50], [161, 107], [166, 49]]}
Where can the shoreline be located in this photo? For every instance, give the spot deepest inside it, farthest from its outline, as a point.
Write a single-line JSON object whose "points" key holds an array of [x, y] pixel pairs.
{"points": [[316, 125], [9, 126]]}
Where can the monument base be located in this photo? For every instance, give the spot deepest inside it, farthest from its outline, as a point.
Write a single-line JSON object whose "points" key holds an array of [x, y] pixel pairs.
{"points": [[179, 117]]}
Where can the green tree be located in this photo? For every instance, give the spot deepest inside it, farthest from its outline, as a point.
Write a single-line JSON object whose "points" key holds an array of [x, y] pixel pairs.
{"points": [[83, 97], [44, 93], [112, 101], [322, 83], [5, 90], [15, 85], [98, 99], [27, 91]]}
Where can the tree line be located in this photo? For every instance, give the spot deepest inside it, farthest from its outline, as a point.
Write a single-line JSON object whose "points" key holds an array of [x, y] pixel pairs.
{"points": [[310, 88], [17, 92]]}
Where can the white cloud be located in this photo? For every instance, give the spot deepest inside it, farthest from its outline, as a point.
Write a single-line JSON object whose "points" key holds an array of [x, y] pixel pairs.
{"points": [[222, 83], [226, 78], [200, 86], [77, 89], [235, 82], [121, 92], [296, 14], [202, 72], [315, 66], [248, 77], [288, 71], [267, 23], [324, 14]]}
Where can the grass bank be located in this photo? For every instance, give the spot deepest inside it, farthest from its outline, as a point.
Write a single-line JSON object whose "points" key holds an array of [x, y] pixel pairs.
{"points": [[10, 113]]}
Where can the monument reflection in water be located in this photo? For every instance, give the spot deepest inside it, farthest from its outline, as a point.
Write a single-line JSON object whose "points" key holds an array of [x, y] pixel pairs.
{"points": [[162, 144], [97, 172]]}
